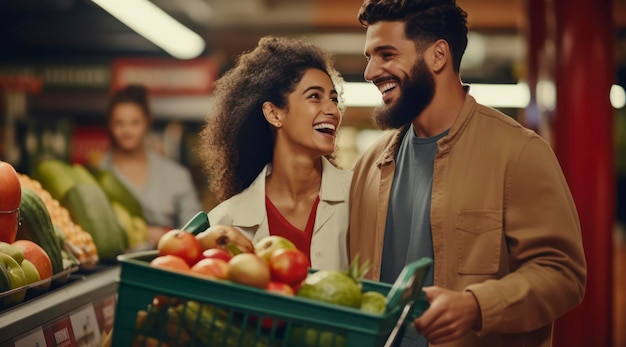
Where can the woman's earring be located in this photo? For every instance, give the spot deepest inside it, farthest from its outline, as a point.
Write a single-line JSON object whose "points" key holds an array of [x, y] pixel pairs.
{"points": [[278, 124]]}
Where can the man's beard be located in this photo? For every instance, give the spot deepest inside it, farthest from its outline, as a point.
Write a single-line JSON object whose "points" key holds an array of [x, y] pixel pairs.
{"points": [[416, 92]]}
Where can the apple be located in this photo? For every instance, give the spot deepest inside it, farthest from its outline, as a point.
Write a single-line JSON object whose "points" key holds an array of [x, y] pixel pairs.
{"points": [[38, 256], [216, 253], [225, 237], [11, 193], [211, 268], [170, 262], [270, 244], [30, 272], [180, 243], [248, 269], [14, 252], [289, 266], [17, 277]]}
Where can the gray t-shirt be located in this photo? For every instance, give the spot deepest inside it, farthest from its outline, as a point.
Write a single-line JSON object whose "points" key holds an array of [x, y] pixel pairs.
{"points": [[169, 198], [408, 234]]}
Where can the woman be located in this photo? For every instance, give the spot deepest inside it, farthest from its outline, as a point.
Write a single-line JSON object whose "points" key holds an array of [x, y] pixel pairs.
{"points": [[163, 187], [269, 147]]}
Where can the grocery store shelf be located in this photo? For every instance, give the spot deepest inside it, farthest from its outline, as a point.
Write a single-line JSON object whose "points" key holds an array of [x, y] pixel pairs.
{"points": [[80, 290]]}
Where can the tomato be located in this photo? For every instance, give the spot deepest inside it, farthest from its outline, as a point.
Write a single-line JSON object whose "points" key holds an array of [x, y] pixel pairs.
{"points": [[10, 197]]}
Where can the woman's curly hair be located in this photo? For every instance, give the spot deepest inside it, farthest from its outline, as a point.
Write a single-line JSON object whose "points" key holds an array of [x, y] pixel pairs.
{"points": [[236, 141]]}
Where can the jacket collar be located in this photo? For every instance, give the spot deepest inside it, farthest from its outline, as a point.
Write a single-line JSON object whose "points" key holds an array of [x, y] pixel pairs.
{"points": [[445, 143], [255, 213]]}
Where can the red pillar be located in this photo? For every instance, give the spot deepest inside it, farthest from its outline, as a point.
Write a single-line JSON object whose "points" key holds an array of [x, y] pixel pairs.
{"points": [[583, 141]]}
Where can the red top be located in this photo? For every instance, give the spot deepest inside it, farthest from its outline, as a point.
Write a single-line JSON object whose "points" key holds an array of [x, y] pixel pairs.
{"points": [[280, 226]]}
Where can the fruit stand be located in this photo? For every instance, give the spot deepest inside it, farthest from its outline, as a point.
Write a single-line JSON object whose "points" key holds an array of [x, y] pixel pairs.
{"points": [[60, 316], [59, 236]]}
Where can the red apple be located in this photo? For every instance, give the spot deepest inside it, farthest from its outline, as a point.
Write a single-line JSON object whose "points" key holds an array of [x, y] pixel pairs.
{"points": [[38, 256], [211, 268], [180, 243], [170, 262], [289, 266], [216, 253], [11, 193], [248, 269], [270, 244]]}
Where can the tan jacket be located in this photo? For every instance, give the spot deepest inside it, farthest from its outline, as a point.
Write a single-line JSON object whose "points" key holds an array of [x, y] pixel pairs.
{"points": [[504, 224], [246, 210]]}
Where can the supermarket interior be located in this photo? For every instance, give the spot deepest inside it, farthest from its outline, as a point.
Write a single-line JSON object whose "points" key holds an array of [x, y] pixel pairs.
{"points": [[557, 67]]}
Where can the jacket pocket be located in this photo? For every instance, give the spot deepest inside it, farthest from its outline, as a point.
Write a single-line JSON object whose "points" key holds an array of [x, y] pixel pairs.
{"points": [[479, 241]]}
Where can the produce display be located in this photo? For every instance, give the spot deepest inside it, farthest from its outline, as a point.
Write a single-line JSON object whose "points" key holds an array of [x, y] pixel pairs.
{"points": [[32, 253], [273, 265], [63, 223], [99, 203]]}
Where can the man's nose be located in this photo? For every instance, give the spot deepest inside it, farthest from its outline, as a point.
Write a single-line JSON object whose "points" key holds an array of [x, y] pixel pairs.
{"points": [[372, 70]]}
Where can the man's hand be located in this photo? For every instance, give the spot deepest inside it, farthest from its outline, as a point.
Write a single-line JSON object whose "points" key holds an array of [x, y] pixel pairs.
{"points": [[450, 316]]}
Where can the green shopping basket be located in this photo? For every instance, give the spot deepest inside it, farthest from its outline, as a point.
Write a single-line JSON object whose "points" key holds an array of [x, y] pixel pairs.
{"points": [[157, 307]]}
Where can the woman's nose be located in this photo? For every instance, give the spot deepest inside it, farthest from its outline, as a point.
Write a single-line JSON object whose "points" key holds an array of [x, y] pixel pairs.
{"points": [[331, 108]]}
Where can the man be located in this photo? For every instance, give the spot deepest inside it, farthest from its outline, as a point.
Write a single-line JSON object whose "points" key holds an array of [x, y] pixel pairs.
{"points": [[463, 184]]}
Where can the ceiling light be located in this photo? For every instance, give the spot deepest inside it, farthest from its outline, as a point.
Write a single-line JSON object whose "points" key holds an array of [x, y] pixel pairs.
{"points": [[617, 96], [155, 25]]}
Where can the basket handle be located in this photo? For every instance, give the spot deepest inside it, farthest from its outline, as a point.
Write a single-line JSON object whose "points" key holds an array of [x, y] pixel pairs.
{"points": [[407, 293], [197, 223]]}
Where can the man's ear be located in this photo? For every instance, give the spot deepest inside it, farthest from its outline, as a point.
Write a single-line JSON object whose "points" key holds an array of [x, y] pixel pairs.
{"points": [[271, 114], [440, 55]]}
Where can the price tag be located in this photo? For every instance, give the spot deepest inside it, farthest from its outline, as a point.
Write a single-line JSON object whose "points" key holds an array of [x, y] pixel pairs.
{"points": [[34, 338], [59, 333], [85, 327]]}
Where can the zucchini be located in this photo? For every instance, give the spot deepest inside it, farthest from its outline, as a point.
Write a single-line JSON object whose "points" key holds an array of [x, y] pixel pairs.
{"points": [[36, 226], [90, 208], [117, 191]]}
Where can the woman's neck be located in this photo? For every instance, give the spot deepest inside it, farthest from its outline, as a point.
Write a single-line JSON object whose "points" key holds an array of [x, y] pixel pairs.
{"points": [[294, 177], [132, 155]]}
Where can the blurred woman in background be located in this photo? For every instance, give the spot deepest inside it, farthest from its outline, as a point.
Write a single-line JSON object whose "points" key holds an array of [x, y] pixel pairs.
{"points": [[163, 187], [269, 145]]}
